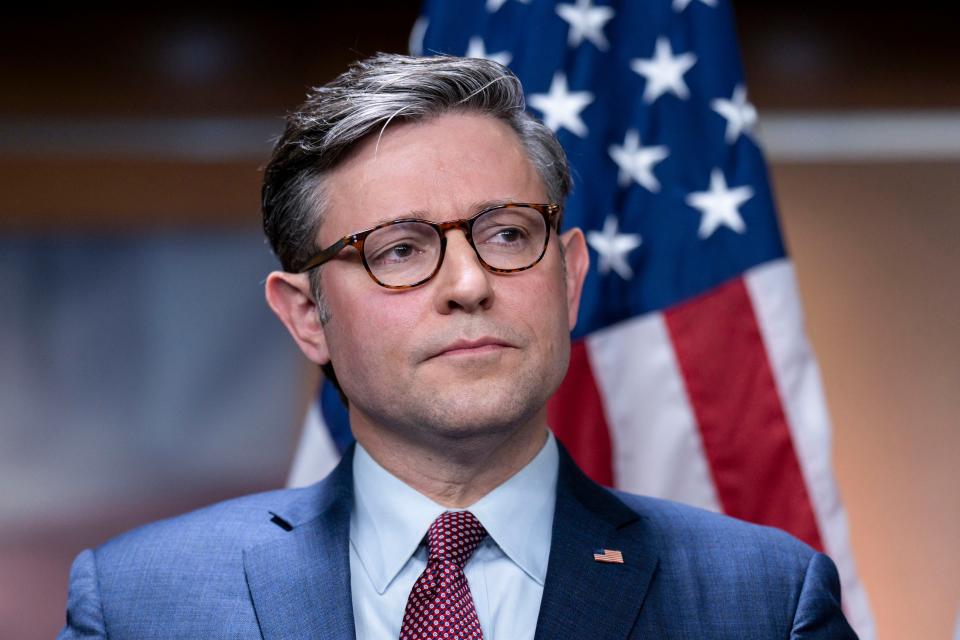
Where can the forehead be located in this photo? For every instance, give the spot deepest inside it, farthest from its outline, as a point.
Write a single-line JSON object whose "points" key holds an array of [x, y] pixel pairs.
{"points": [[437, 169]]}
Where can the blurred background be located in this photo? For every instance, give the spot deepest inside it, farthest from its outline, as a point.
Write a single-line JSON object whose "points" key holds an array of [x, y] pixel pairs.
{"points": [[142, 375]]}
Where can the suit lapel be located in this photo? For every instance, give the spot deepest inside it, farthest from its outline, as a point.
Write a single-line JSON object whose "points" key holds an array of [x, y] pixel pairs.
{"points": [[300, 583], [583, 598]]}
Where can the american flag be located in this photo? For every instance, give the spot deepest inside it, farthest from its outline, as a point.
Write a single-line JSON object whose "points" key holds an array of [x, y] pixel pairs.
{"points": [[608, 555], [691, 377]]}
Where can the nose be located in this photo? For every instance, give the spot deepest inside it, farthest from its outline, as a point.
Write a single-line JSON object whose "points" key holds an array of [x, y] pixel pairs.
{"points": [[462, 282]]}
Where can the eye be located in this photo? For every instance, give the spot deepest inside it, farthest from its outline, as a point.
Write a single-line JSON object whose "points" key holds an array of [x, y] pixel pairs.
{"points": [[395, 253], [508, 235], [503, 236], [508, 228], [401, 251]]}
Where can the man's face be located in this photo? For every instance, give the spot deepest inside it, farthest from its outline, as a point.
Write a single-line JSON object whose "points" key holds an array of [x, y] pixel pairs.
{"points": [[469, 350]]}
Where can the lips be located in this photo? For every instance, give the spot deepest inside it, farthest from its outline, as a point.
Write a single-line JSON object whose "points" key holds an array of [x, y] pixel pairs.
{"points": [[479, 346]]}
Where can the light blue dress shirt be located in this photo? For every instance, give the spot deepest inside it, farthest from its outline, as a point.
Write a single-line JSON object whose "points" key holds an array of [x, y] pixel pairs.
{"points": [[505, 573]]}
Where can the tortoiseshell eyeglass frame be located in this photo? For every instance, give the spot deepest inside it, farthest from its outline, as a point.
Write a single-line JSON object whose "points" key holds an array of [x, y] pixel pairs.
{"points": [[551, 216]]}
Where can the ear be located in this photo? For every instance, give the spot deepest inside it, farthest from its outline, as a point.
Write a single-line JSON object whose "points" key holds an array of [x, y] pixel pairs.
{"points": [[289, 295], [577, 260]]}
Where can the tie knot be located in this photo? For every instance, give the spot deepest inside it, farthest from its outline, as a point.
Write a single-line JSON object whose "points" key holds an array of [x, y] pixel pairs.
{"points": [[454, 536]]}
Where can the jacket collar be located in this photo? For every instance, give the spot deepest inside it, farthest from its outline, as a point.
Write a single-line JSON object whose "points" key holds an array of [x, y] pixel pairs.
{"points": [[300, 582], [584, 598]]}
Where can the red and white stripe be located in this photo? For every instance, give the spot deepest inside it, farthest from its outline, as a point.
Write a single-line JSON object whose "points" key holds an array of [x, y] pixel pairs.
{"points": [[611, 556]]}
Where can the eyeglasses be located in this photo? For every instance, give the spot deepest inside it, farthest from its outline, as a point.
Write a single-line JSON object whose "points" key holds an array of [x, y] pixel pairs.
{"points": [[406, 253]]}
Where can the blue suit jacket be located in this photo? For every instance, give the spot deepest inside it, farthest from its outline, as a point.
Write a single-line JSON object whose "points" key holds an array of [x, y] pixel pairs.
{"points": [[276, 566]]}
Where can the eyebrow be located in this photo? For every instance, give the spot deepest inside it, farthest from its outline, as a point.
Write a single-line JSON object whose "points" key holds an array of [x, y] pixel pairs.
{"points": [[423, 214]]}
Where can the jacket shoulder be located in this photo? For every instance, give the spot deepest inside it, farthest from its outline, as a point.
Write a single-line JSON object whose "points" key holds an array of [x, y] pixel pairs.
{"points": [[186, 576], [186, 564], [732, 552], [201, 548], [685, 525], [214, 529], [767, 577]]}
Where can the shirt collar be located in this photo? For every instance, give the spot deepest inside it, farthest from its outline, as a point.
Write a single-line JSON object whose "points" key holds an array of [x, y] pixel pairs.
{"points": [[390, 518]]}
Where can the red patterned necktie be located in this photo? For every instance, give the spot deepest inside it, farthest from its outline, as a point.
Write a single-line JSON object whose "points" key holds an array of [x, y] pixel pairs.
{"points": [[440, 605]]}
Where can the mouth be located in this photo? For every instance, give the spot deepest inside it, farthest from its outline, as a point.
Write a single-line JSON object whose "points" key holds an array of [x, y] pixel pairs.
{"points": [[467, 348]]}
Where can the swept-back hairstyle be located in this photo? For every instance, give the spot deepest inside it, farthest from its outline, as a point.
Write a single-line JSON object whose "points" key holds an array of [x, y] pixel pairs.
{"points": [[365, 99]]}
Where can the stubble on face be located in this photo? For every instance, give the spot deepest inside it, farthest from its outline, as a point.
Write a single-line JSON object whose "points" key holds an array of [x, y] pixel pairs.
{"points": [[465, 397]]}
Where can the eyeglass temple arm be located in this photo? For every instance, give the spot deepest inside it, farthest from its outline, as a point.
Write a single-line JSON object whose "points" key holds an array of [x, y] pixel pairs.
{"points": [[328, 253], [555, 211]]}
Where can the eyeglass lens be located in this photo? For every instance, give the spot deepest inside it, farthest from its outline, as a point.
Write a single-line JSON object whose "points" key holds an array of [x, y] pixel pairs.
{"points": [[408, 252]]}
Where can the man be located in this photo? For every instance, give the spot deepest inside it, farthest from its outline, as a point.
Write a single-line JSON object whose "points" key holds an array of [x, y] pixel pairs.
{"points": [[415, 209]]}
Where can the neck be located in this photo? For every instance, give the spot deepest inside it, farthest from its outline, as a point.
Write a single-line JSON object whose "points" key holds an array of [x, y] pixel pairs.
{"points": [[455, 473]]}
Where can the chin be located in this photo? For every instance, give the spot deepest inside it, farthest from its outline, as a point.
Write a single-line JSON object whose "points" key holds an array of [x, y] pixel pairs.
{"points": [[484, 409]]}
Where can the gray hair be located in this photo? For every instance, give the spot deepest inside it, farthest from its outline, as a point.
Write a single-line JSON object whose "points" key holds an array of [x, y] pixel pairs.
{"points": [[368, 97]]}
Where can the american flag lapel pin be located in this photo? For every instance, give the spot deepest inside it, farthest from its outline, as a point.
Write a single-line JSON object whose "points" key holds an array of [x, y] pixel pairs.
{"points": [[611, 556]]}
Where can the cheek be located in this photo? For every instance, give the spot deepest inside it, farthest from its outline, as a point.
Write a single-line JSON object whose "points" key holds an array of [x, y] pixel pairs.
{"points": [[542, 307], [369, 334]]}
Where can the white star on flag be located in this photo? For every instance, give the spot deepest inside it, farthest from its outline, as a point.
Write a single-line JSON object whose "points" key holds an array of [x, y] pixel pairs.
{"points": [[636, 161], [586, 21], [561, 107], [476, 49], [613, 247], [494, 5], [719, 205], [664, 71], [740, 114], [419, 30], [680, 5]]}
